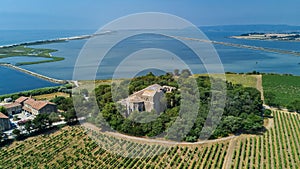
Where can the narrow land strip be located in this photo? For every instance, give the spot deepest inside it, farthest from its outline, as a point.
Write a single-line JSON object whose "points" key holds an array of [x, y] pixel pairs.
{"points": [[35, 74], [295, 53]]}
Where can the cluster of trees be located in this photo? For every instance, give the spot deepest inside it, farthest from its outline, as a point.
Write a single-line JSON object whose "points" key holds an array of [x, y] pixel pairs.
{"points": [[270, 99], [242, 113], [111, 112], [294, 106], [65, 104]]}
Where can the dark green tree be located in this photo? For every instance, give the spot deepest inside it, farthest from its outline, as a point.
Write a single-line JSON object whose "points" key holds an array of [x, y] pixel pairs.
{"points": [[176, 72], [185, 73], [294, 106], [267, 113], [70, 116], [18, 134], [270, 99], [41, 121], [28, 126], [3, 110]]}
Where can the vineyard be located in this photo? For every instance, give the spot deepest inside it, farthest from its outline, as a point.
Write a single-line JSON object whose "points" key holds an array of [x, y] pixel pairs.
{"points": [[281, 89], [71, 147], [277, 148]]}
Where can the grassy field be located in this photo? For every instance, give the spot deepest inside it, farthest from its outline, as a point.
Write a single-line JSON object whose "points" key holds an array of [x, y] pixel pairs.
{"points": [[50, 96], [285, 88], [245, 80], [90, 85], [71, 147]]}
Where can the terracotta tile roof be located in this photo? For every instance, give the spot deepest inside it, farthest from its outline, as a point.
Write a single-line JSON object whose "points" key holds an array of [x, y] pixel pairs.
{"points": [[26, 109], [21, 99], [37, 105], [3, 116], [11, 105]]}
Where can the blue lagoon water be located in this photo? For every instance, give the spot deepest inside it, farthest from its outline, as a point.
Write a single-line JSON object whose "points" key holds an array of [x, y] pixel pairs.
{"points": [[12, 81], [233, 59]]}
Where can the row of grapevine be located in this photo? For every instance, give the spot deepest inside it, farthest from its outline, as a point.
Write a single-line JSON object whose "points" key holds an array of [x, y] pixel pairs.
{"points": [[276, 148], [73, 147]]}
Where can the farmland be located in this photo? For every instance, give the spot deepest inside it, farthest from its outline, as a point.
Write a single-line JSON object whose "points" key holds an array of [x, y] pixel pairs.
{"points": [[72, 147], [245, 80], [281, 89], [50, 96], [277, 148]]}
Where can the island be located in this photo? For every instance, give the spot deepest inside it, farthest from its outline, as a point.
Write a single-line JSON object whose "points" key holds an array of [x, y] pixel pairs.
{"points": [[293, 36], [24, 49]]}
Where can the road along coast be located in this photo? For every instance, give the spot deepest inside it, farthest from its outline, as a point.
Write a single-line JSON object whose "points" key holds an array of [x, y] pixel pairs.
{"points": [[34, 74]]}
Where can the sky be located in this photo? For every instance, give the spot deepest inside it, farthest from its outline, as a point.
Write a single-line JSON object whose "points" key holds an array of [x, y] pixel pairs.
{"points": [[93, 14]]}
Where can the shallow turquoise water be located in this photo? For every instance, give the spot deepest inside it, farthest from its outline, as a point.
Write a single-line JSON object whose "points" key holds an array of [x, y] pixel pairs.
{"points": [[233, 59]]}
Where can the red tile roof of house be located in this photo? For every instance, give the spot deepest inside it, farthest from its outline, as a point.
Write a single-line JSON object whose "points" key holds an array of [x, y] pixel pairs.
{"points": [[26, 109], [3, 116], [21, 99], [37, 105], [11, 105]]}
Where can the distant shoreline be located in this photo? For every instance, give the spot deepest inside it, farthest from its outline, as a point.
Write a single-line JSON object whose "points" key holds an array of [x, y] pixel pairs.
{"points": [[40, 42], [22, 49], [291, 37], [273, 50]]}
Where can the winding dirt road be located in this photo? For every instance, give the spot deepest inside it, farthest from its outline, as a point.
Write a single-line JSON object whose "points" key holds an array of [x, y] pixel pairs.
{"points": [[232, 139], [155, 141]]}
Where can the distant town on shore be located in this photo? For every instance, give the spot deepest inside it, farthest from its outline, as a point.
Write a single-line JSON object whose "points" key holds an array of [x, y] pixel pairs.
{"points": [[293, 36]]}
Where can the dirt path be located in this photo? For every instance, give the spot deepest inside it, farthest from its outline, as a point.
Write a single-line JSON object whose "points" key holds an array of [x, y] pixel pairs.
{"points": [[228, 158], [259, 86], [270, 123], [148, 140]]}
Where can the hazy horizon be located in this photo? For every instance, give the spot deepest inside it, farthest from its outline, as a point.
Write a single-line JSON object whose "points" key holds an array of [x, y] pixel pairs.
{"points": [[93, 14]]}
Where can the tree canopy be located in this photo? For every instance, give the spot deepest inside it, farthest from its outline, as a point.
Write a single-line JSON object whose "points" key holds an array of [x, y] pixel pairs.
{"points": [[243, 111]]}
